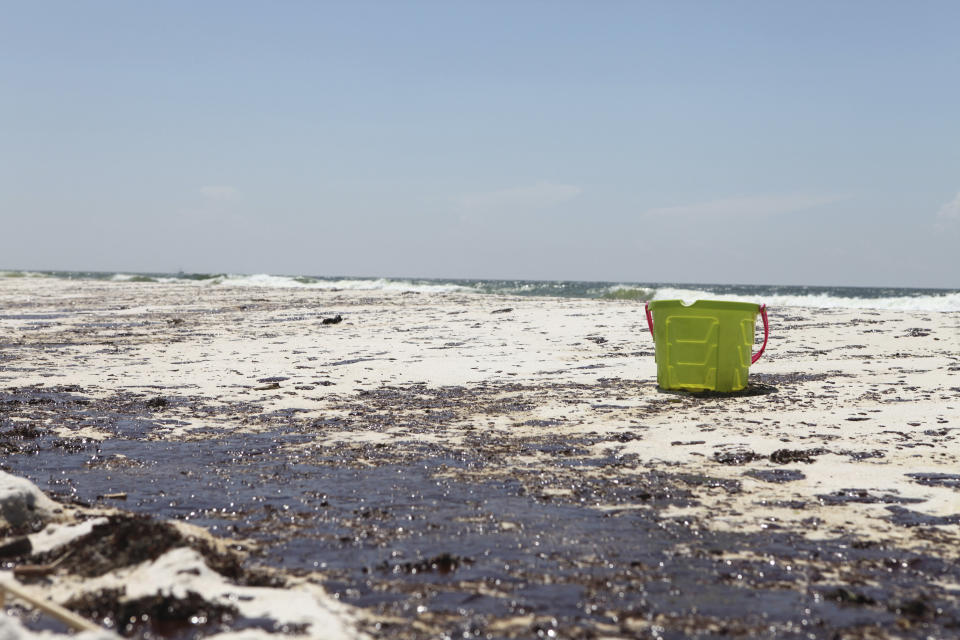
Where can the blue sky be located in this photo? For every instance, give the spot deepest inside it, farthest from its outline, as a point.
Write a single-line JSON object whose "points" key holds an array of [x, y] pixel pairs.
{"points": [[732, 142]]}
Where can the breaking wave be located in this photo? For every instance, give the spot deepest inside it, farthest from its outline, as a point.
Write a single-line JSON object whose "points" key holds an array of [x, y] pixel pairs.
{"points": [[902, 299]]}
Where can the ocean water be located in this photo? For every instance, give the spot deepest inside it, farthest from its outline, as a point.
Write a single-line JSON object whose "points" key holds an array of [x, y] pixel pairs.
{"points": [[772, 295]]}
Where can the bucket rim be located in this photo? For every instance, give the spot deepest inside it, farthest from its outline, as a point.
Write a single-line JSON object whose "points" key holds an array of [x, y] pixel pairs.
{"points": [[720, 305]]}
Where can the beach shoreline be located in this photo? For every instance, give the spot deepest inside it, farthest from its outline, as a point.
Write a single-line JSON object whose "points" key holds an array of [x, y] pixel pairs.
{"points": [[450, 461]]}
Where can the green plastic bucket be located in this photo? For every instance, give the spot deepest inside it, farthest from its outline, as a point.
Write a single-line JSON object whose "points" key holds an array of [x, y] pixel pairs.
{"points": [[706, 345]]}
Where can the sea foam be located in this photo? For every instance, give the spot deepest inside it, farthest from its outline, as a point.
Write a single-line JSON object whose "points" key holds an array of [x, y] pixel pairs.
{"points": [[921, 302], [899, 299]]}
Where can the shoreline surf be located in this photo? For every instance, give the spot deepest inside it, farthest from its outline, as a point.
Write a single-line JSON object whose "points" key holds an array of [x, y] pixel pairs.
{"points": [[824, 297]]}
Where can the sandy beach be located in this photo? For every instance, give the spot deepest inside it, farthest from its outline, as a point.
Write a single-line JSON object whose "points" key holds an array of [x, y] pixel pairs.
{"points": [[400, 464]]}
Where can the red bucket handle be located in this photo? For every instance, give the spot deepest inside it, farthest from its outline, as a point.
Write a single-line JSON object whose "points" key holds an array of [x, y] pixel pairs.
{"points": [[763, 314], [766, 333]]}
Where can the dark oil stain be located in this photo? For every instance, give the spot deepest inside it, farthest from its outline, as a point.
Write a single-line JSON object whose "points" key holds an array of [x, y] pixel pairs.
{"points": [[788, 456], [736, 458], [776, 475], [937, 479], [165, 616], [857, 456], [449, 535], [863, 496], [907, 518]]}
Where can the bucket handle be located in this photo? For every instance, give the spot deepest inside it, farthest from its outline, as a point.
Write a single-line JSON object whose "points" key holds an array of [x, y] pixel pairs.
{"points": [[763, 314], [766, 333]]}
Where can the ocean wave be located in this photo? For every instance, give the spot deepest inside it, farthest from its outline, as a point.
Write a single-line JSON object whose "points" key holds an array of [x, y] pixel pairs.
{"points": [[23, 274], [920, 302], [933, 300], [628, 292], [265, 280], [133, 277]]}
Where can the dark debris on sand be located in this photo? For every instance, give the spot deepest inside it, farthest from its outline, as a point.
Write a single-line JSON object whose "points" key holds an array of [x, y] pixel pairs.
{"points": [[491, 534], [125, 540]]}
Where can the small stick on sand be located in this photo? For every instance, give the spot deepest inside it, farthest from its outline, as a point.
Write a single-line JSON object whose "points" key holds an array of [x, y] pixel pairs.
{"points": [[79, 623], [38, 570]]}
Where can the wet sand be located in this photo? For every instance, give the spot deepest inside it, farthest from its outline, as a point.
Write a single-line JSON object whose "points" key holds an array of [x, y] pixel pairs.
{"points": [[446, 464]]}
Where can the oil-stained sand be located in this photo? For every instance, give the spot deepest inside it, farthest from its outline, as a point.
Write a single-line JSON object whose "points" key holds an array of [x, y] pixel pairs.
{"points": [[442, 495]]}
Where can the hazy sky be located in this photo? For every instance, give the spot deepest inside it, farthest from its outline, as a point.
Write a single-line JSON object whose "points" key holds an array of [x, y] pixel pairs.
{"points": [[732, 142]]}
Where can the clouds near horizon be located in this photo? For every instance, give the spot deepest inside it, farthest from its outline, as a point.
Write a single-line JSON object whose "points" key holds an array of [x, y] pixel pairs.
{"points": [[758, 205], [219, 192], [950, 211]]}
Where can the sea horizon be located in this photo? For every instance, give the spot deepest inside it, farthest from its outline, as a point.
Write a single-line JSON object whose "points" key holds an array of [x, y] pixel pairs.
{"points": [[774, 295]]}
